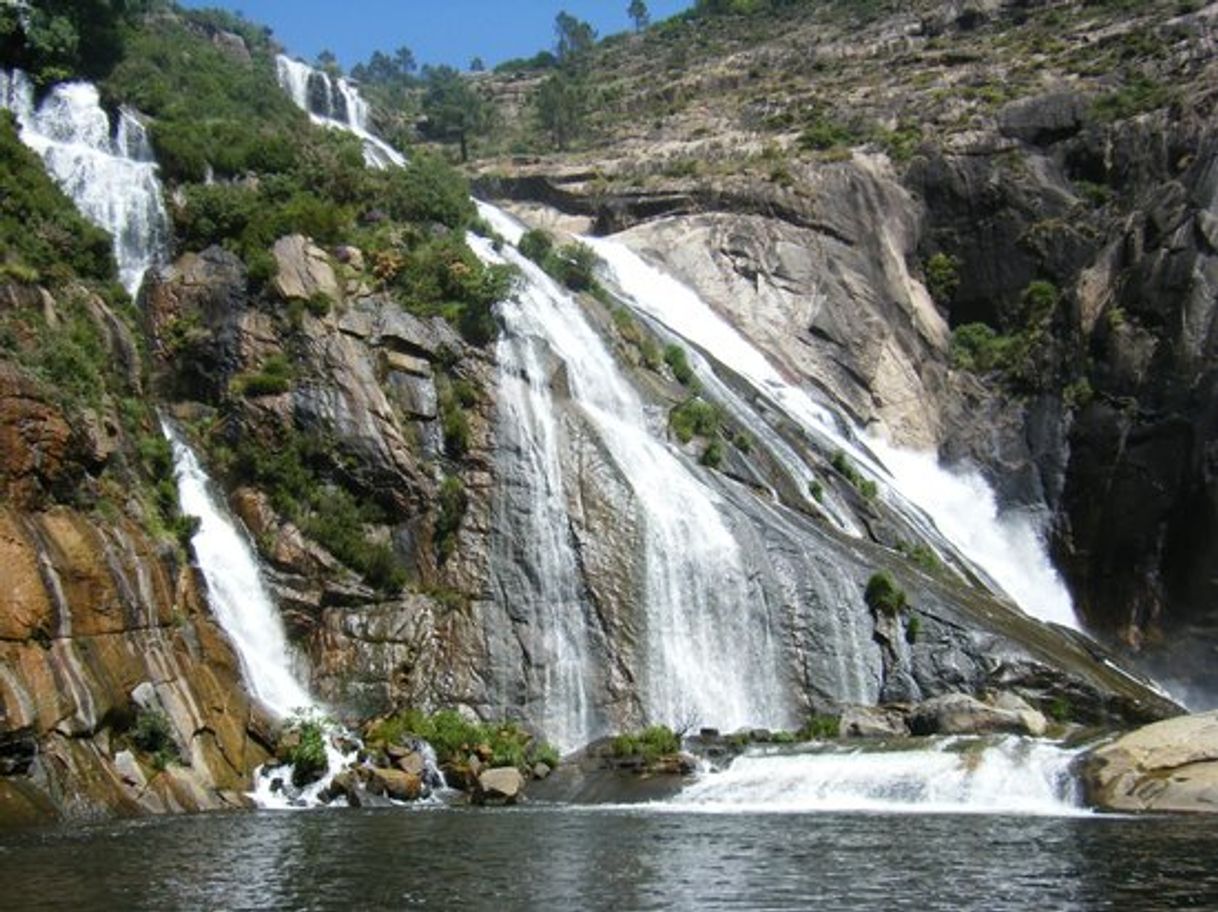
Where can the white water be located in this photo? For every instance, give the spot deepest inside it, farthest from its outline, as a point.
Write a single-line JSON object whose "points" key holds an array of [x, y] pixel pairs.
{"points": [[1013, 776], [708, 657], [1008, 548], [334, 102], [236, 593], [110, 175]]}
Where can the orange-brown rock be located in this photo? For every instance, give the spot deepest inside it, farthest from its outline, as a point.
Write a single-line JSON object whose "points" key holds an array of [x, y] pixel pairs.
{"points": [[90, 612]]}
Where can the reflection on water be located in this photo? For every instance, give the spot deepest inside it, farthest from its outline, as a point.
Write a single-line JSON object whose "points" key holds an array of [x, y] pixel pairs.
{"points": [[563, 858]]}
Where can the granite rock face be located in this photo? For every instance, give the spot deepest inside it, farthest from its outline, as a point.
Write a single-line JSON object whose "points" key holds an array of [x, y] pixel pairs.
{"points": [[1168, 766]]}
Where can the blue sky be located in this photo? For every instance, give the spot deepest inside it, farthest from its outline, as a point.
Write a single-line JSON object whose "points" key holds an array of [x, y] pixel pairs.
{"points": [[438, 31]]}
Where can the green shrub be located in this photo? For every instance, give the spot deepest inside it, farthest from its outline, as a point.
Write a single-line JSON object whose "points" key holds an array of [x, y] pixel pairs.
{"points": [[920, 554], [821, 727], [695, 417], [453, 505], [712, 456], [652, 743], [942, 278], [308, 755], [977, 348], [678, 362], [274, 379], [454, 738], [537, 245], [153, 735], [817, 490], [42, 235], [913, 630], [883, 594]]}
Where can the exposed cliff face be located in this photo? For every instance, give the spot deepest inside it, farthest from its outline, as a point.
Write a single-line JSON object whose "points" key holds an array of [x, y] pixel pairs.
{"points": [[1077, 174], [364, 395], [102, 631]]}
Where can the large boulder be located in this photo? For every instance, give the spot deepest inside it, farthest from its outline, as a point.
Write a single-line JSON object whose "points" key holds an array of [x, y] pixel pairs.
{"points": [[304, 270], [1167, 766], [960, 714], [502, 785], [395, 784], [873, 722]]}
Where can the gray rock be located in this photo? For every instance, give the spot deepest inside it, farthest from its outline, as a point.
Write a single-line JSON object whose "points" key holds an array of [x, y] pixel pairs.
{"points": [[960, 714], [874, 722], [304, 270], [502, 785], [1168, 766]]}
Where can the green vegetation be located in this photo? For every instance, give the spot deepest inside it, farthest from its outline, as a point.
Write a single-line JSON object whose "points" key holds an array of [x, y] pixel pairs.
{"points": [[883, 594], [153, 735], [1137, 95], [843, 466], [921, 554], [942, 277], [306, 737], [456, 397], [817, 490], [695, 417], [678, 363], [712, 456], [978, 348], [913, 629], [454, 738], [1060, 710], [574, 264], [652, 744], [273, 379], [453, 505], [43, 238], [454, 110], [299, 474], [820, 728]]}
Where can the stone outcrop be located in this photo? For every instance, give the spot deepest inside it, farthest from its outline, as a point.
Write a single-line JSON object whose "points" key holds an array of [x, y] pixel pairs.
{"points": [[304, 271], [97, 629], [366, 379], [1168, 766]]}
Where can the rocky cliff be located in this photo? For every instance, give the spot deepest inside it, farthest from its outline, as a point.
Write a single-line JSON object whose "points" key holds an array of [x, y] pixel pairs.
{"points": [[118, 692], [985, 228]]}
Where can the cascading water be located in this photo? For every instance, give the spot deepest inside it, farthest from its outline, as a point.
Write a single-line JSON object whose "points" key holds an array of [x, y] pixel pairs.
{"points": [[333, 102], [111, 175], [1012, 776], [236, 592], [708, 651], [1006, 548]]}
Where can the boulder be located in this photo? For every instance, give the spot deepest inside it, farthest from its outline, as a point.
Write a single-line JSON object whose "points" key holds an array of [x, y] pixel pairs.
{"points": [[960, 714], [395, 784], [304, 270], [873, 722], [1044, 119], [1167, 766], [412, 762], [502, 785]]}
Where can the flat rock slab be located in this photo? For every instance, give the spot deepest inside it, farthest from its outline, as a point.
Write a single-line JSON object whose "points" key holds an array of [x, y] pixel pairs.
{"points": [[1167, 766]]}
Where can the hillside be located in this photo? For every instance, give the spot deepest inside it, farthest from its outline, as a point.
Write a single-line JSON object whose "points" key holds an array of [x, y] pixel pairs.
{"points": [[481, 482], [1043, 170]]}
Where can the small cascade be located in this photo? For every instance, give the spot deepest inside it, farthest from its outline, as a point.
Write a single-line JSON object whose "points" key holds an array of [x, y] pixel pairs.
{"points": [[952, 776], [957, 509], [108, 170], [333, 102], [239, 599], [708, 650], [236, 593]]}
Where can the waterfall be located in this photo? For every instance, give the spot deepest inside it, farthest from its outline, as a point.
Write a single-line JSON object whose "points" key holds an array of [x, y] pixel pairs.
{"points": [[235, 590], [1007, 549], [1012, 776], [709, 653], [109, 173], [333, 102]]}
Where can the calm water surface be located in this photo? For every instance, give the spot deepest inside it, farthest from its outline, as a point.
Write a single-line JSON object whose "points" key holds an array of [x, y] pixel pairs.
{"points": [[563, 858]]}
